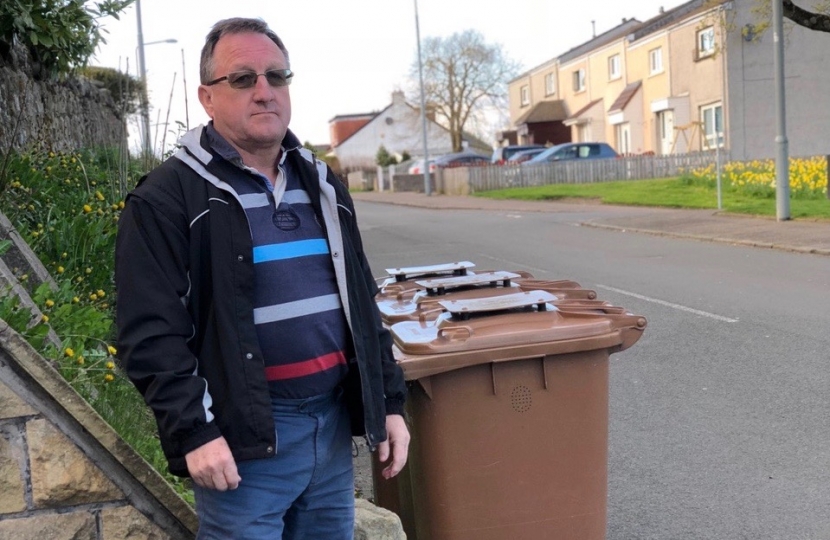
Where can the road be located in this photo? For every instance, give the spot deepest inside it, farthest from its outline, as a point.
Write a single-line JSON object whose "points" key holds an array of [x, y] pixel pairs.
{"points": [[720, 414]]}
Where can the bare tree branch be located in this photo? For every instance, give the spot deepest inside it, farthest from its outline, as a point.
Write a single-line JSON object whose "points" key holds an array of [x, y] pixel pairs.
{"points": [[814, 21]]}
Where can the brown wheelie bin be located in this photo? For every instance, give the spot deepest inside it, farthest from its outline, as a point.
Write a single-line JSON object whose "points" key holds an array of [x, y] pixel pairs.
{"points": [[509, 418]]}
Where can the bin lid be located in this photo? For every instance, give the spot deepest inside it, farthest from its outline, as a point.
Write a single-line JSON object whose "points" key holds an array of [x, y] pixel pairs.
{"points": [[422, 303], [439, 285], [505, 328], [454, 268]]}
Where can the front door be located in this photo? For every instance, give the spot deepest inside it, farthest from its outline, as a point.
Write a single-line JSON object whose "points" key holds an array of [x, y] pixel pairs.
{"points": [[665, 122]]}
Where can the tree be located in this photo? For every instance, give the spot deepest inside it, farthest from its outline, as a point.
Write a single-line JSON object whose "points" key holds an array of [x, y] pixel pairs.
{"points": [[61, 35], [384, 158], [463, 75], [818, 20]]}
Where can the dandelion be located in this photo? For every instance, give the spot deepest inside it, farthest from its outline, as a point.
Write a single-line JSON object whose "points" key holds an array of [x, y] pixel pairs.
{"points": [[110, 365], [99, 195], [64, 255], [87, 209], [100, 293], [80, 361], [61, 269], [109, 377], [50, 303], [88, 270], [111, 350], [121, 205], [44, 318], [93, 297], [75, 299], [68, 352]]}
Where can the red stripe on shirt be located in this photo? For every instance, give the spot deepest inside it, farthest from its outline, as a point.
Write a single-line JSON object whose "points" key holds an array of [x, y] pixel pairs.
{"points": [[307, 367]]}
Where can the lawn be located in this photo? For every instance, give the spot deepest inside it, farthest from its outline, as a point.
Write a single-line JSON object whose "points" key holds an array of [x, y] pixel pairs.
{"points": [[672, 193]]}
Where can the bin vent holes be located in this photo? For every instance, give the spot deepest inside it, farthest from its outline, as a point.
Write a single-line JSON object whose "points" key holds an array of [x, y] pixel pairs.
{"points": [[521, 398]]}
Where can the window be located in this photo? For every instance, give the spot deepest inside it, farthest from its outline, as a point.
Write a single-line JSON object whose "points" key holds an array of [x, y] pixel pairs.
{"points": [[706, 42], [614, 67], [579, 80], [712, 118], [525, 95], [655, 57], [550, 84]]}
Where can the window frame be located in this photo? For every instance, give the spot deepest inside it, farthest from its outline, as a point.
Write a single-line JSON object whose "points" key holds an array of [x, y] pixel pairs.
{"points": [[524, 95], [550, 84], [579, 80], [716, 118], [702, 51], [614, 67], [655, 61]]}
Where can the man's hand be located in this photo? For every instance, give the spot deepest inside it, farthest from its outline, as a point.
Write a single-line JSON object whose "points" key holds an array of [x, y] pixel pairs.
{"points": [[398, 441], [212, 466]]}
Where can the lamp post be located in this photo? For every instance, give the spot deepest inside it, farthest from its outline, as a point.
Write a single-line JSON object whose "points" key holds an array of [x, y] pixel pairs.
{"points": [[423, 103], [782, 160], [142, 70]]}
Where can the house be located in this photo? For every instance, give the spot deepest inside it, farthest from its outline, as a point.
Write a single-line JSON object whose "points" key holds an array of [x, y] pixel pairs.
{"points": [[398, 128], [692, 78]]}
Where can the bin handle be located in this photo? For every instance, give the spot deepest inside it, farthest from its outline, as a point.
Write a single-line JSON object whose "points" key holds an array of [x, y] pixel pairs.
{"points": [[455, 333], [427, 313]]}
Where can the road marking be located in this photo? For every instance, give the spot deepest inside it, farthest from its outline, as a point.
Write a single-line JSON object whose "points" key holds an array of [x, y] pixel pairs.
{"points": [[669, 304]]}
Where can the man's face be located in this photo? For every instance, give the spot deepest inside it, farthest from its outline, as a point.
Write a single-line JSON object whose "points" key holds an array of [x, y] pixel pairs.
{"points": [[253, 118]]}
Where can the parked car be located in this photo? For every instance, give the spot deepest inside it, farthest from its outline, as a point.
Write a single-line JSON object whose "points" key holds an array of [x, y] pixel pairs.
{"points": [[417, 166], [567, 151], [503, 153], [524, 155], [459, 159]]}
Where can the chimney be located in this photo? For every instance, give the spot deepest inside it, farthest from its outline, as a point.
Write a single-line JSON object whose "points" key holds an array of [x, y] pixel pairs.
{"points": [[398, 97], [661, 10]]}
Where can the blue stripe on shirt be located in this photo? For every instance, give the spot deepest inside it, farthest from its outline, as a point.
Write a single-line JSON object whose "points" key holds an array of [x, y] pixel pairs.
{"points": [[290, 250]]}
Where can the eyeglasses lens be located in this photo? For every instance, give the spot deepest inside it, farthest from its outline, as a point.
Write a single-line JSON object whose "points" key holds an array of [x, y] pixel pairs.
{"points": [[247, 79]]}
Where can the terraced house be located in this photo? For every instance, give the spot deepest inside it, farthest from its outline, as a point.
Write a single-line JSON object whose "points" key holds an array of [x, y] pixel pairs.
{"points": [[691, 78]]}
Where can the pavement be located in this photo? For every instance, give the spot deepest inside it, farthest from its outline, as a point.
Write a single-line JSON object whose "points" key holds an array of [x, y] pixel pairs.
{"points": [[798, 235]]}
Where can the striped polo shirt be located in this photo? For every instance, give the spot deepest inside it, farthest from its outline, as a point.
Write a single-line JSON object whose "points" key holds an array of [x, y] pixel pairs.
{"points": [[299, 318]]}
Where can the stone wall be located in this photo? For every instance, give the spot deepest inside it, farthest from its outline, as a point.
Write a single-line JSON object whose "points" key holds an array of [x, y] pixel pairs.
{"points": [[64, 473], [60, 114]]}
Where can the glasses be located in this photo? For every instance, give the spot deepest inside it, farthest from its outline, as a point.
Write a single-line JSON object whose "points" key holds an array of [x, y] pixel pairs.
{"points": [[248, 79]]}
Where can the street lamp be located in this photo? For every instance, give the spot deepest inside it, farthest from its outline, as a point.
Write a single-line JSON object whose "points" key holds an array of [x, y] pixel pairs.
{"points": [[142, 70], [423, 103]]}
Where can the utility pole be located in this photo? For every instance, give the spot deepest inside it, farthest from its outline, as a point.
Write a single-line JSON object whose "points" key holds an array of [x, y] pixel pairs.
{"points": [[145, 101], [782, 161], [427, 189]]}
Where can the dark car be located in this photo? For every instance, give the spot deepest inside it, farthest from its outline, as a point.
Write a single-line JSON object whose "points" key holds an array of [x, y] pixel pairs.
{"points": [[566, 151], [459, 159], [503, 153]]}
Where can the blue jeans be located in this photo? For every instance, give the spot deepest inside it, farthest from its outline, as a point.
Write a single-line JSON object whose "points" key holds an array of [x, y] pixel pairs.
{"points": [[306, 491]]}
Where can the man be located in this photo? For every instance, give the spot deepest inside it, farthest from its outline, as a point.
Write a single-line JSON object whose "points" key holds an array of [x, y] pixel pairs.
{"points": [[246, 312]]}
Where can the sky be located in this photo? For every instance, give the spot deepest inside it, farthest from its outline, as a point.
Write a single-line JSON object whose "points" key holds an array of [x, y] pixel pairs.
{"points": [[348, 55]]}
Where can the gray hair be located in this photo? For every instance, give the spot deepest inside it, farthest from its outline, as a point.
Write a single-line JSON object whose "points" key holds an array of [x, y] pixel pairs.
{"points": [[237, 25]]}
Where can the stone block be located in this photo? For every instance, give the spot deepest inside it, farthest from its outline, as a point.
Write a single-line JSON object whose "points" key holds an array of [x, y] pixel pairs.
{"points": [[375, 523], [12, 487], [72, 526], [127, 523], [62, 474], [11, 405]]}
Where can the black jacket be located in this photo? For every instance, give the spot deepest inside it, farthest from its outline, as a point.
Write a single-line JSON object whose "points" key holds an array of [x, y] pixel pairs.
{"points": [[184, 276]]}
